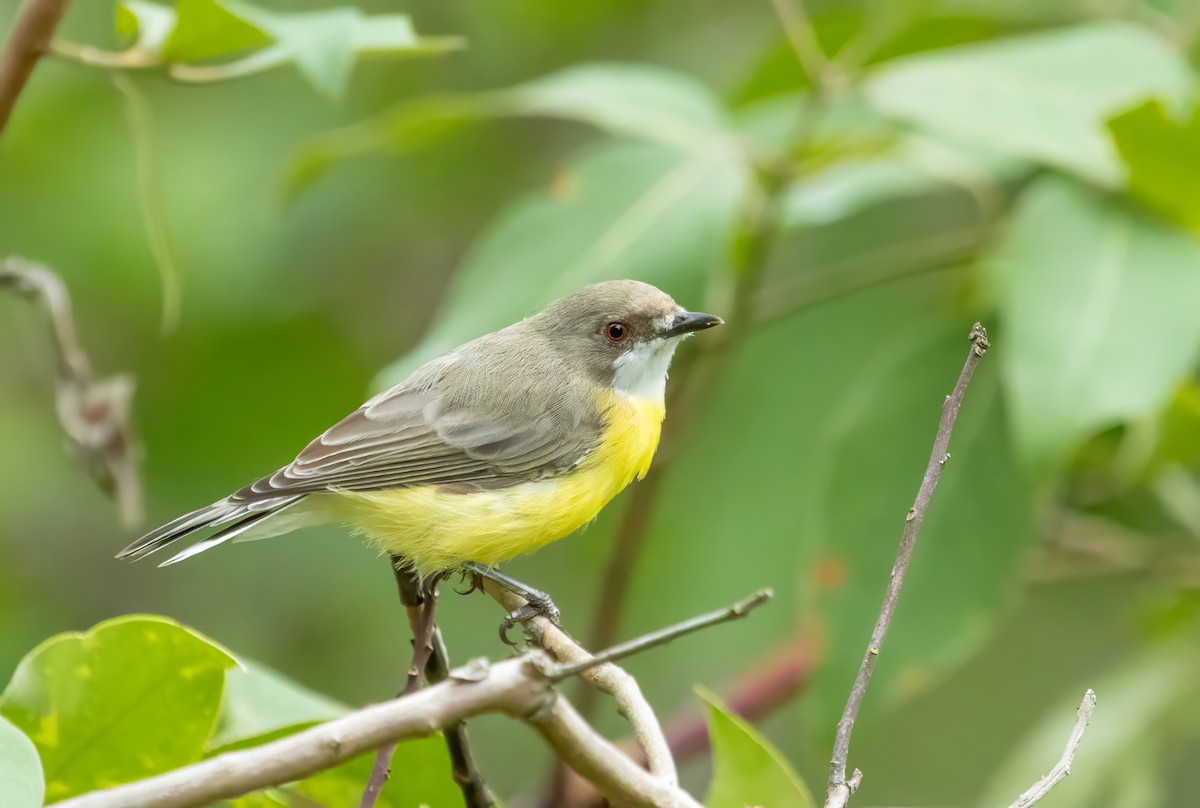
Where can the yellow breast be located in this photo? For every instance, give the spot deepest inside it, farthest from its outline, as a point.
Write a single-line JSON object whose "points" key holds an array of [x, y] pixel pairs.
{"points": [[439, 530]]}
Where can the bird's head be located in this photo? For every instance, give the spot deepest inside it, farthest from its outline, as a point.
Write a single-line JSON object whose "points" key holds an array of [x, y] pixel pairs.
{"points": [[624, 332]]}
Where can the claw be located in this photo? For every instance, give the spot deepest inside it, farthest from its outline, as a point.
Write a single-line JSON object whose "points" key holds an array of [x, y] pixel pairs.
{"points": [[476, 583], [522, 614]]}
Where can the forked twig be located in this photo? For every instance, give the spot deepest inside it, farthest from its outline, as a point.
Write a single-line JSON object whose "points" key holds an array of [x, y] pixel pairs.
{"points": [[1060, 771]]}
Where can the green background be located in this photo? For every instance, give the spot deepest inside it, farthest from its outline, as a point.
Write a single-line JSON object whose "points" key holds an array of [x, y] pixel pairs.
{"points": [[1028, 164]]}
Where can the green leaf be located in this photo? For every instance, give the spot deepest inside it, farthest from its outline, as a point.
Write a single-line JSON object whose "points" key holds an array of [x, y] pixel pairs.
{"points": [[641, 101], [261, 702], [421, 775], [623, 211], [206, 29], [747, 768], [866, 374], [1099, 322], [133, 697], [915, 165], [323, 44], [1045, 97], [148, 24], [21, 783], [1155, 147], [1131, 703]]}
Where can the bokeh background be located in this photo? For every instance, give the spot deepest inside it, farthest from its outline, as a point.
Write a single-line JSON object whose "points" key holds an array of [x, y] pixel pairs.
{"points": [[1032, 165]]}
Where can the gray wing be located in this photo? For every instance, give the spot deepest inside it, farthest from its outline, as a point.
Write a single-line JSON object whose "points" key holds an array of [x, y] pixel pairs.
{"points": [[409, 437], [406, 437]]}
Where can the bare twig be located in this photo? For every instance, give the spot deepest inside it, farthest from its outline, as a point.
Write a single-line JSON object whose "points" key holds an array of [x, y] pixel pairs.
{"points": [[839, 786], [607, 678], [1059, 773], [662, 636], [30, 41], [94, 413]]}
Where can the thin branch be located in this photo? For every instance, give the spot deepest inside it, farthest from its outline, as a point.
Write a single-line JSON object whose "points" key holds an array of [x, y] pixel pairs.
{"points": [[420, 602], [662, 636], [419, 605], [94, 413], [137, 116], [1059, 773], [463, 768], [839, 787], [607, 678], [30, 41], [793, 16]]}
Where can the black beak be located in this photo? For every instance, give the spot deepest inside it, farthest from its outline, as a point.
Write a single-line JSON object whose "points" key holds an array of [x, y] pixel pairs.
{"points": [[688, 321]]}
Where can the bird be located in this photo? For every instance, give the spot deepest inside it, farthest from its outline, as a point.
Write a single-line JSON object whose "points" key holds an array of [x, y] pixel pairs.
{"points": [[487, 452]]}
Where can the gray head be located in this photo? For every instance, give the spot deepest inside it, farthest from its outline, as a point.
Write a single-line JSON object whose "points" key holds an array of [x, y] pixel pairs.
{"points": [[625, 332]]}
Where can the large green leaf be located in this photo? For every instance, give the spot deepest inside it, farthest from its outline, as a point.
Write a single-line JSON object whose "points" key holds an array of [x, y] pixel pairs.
{"points": [[133, 697], [260, 702], [1099, 316], [821, 430], [621, 211], [747, 768], [641, 101], [1160, 155], [1045, 97], [1131, 704], [21, 783]]}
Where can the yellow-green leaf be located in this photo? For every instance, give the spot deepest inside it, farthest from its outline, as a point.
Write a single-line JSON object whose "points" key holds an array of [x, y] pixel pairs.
{"points": [[747, 768], [133, 697]]}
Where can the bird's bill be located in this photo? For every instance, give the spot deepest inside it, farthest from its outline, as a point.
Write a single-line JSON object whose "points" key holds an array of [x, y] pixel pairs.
{"points": [[688, 321]]}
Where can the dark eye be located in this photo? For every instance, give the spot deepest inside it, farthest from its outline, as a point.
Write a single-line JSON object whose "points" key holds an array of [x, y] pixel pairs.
{"points": [[616, 332]]}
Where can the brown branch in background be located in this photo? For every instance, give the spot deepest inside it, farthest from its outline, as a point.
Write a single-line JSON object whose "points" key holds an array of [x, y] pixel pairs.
{"points": [[839, 787], [769, 684], [1060, 771], [30, 41], [772, 682], [94, 413]]}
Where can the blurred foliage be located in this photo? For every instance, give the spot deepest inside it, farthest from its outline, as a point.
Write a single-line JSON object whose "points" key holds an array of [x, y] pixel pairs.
{"points": [[1022, 163]]}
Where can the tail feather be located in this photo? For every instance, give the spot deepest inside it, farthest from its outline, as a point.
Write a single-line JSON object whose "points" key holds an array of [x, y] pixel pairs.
{"points": [[235, 517]]}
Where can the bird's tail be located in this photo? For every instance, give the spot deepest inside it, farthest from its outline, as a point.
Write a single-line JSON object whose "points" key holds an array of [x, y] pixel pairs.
{"points": [[233, 519]]}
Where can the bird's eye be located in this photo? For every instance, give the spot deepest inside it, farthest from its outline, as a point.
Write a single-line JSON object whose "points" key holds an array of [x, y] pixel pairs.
{"points": [[616, 332]]}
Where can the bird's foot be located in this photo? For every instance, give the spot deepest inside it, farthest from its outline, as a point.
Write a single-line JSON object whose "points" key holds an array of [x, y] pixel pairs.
{"points": [[537, 604]]}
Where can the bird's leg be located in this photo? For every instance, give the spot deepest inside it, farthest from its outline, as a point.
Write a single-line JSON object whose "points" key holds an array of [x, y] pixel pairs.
{"points": [[537, 602]]}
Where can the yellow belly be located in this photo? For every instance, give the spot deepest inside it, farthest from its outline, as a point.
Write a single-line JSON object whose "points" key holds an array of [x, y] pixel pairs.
{"points": [[439, 530]]}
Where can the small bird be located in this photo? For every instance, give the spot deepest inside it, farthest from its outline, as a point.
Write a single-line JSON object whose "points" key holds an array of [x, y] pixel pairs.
{"points": [[492, 450]]}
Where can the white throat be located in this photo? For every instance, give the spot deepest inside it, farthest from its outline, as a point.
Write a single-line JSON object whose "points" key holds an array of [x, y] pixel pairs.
{"points": [[641, 372]]}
